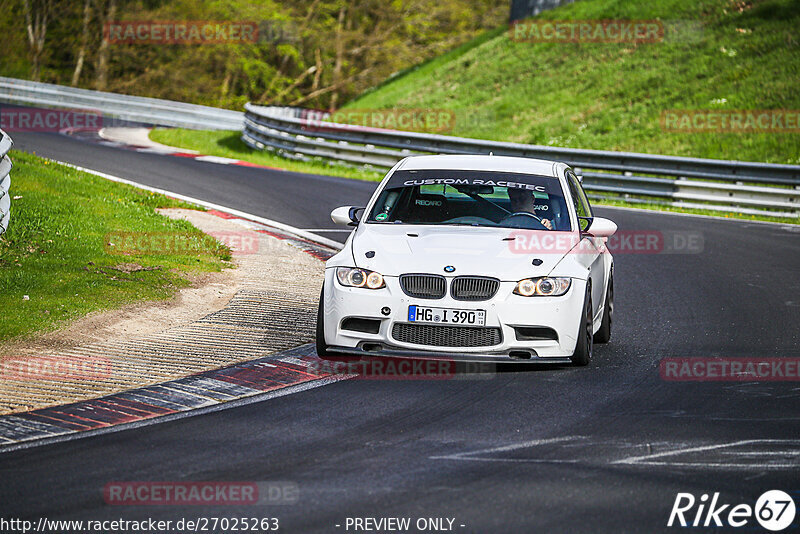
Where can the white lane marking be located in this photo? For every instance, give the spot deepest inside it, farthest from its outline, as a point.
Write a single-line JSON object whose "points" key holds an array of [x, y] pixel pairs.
{"points": [[151, 150], [648, 459], [510, 460], [217, 159], [328, 230], [657, 459], [244, 215], [294, 360], [472, 455], [706, 448], [138, 139], [762, 453], [714, 465]]}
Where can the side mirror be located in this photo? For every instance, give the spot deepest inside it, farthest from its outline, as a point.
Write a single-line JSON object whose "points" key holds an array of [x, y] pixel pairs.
{"points": [[600, 227], [346, 215]]}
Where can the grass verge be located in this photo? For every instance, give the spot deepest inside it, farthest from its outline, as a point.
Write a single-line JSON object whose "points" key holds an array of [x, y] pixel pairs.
{"points": [[57, 263]]}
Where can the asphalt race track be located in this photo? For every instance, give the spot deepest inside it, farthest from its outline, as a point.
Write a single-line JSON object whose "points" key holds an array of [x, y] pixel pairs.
{"points": [[527, 449]]}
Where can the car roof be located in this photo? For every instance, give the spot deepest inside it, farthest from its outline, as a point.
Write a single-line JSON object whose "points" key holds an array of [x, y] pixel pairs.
{"points": [[539, 167]]}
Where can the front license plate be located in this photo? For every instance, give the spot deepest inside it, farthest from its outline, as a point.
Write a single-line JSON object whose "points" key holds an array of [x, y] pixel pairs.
{"points": [[424, 314]]}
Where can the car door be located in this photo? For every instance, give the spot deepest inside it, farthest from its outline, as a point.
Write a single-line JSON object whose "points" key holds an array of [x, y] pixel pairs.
{"points": [[591, 251]]}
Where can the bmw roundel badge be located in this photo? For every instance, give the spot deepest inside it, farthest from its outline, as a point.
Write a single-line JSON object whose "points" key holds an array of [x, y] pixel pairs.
{"points": [[449, 269]]}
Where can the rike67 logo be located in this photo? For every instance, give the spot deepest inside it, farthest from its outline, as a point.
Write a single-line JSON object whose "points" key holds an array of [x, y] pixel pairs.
{"points": [[774, 510]]}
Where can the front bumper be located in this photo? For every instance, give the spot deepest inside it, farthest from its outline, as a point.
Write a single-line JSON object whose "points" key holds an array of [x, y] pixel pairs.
{"points": [[506, 311]]}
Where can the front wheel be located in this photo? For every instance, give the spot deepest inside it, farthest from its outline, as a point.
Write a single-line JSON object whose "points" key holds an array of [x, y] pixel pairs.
{"points": [[583, 349], [603, 335]]}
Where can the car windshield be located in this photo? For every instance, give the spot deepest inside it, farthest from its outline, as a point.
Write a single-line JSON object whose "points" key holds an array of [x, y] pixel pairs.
{"points": [[472, 198]]}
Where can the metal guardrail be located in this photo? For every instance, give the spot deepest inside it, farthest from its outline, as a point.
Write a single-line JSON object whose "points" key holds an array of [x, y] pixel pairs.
{"points": [[124, 107], [718, 185], [5, 181]]}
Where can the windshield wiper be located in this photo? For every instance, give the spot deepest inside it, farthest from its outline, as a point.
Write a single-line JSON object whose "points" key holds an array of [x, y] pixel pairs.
{"points": [[474, 224]]}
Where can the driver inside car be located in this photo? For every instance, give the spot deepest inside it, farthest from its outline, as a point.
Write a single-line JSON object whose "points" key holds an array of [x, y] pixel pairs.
{"points": [[523, 201]]}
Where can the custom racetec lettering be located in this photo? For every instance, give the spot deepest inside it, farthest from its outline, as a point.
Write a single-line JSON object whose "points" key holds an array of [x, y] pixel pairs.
{"points": [[455, 178], [476, 181]]}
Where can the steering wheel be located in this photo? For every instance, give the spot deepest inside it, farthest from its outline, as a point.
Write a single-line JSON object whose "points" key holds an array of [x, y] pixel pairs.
{"points": [[524, 214]]}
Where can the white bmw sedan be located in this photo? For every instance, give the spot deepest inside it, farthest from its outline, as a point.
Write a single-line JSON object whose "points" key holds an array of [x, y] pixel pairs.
{"points": [[481, 258]]}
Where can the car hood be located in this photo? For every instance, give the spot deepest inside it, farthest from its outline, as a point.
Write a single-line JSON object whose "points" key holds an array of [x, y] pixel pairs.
{"points": [[494, 252]]}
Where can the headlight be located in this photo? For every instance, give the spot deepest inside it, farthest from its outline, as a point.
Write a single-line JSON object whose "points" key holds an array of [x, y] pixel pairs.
{"points": [[542, 287], [354, 277]]}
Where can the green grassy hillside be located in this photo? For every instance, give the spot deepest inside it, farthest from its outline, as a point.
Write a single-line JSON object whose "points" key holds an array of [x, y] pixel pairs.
{"points": [[715, 55]]}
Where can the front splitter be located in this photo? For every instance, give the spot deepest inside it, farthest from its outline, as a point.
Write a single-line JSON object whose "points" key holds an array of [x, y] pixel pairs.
{"points": [[393, 352]]}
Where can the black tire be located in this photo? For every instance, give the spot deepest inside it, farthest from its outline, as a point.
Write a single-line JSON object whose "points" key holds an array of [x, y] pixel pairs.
{"points": [[603, 335], [322, 347], [583, 350]]}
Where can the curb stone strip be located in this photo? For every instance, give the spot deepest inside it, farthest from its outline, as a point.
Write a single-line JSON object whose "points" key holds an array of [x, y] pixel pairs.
{"points": [[210, 388]]}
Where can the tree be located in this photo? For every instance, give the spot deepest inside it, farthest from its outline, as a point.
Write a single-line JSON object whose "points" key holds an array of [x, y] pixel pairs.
{"points": [[37, 14], [87, 16], [103, 53], [317, 53]]}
